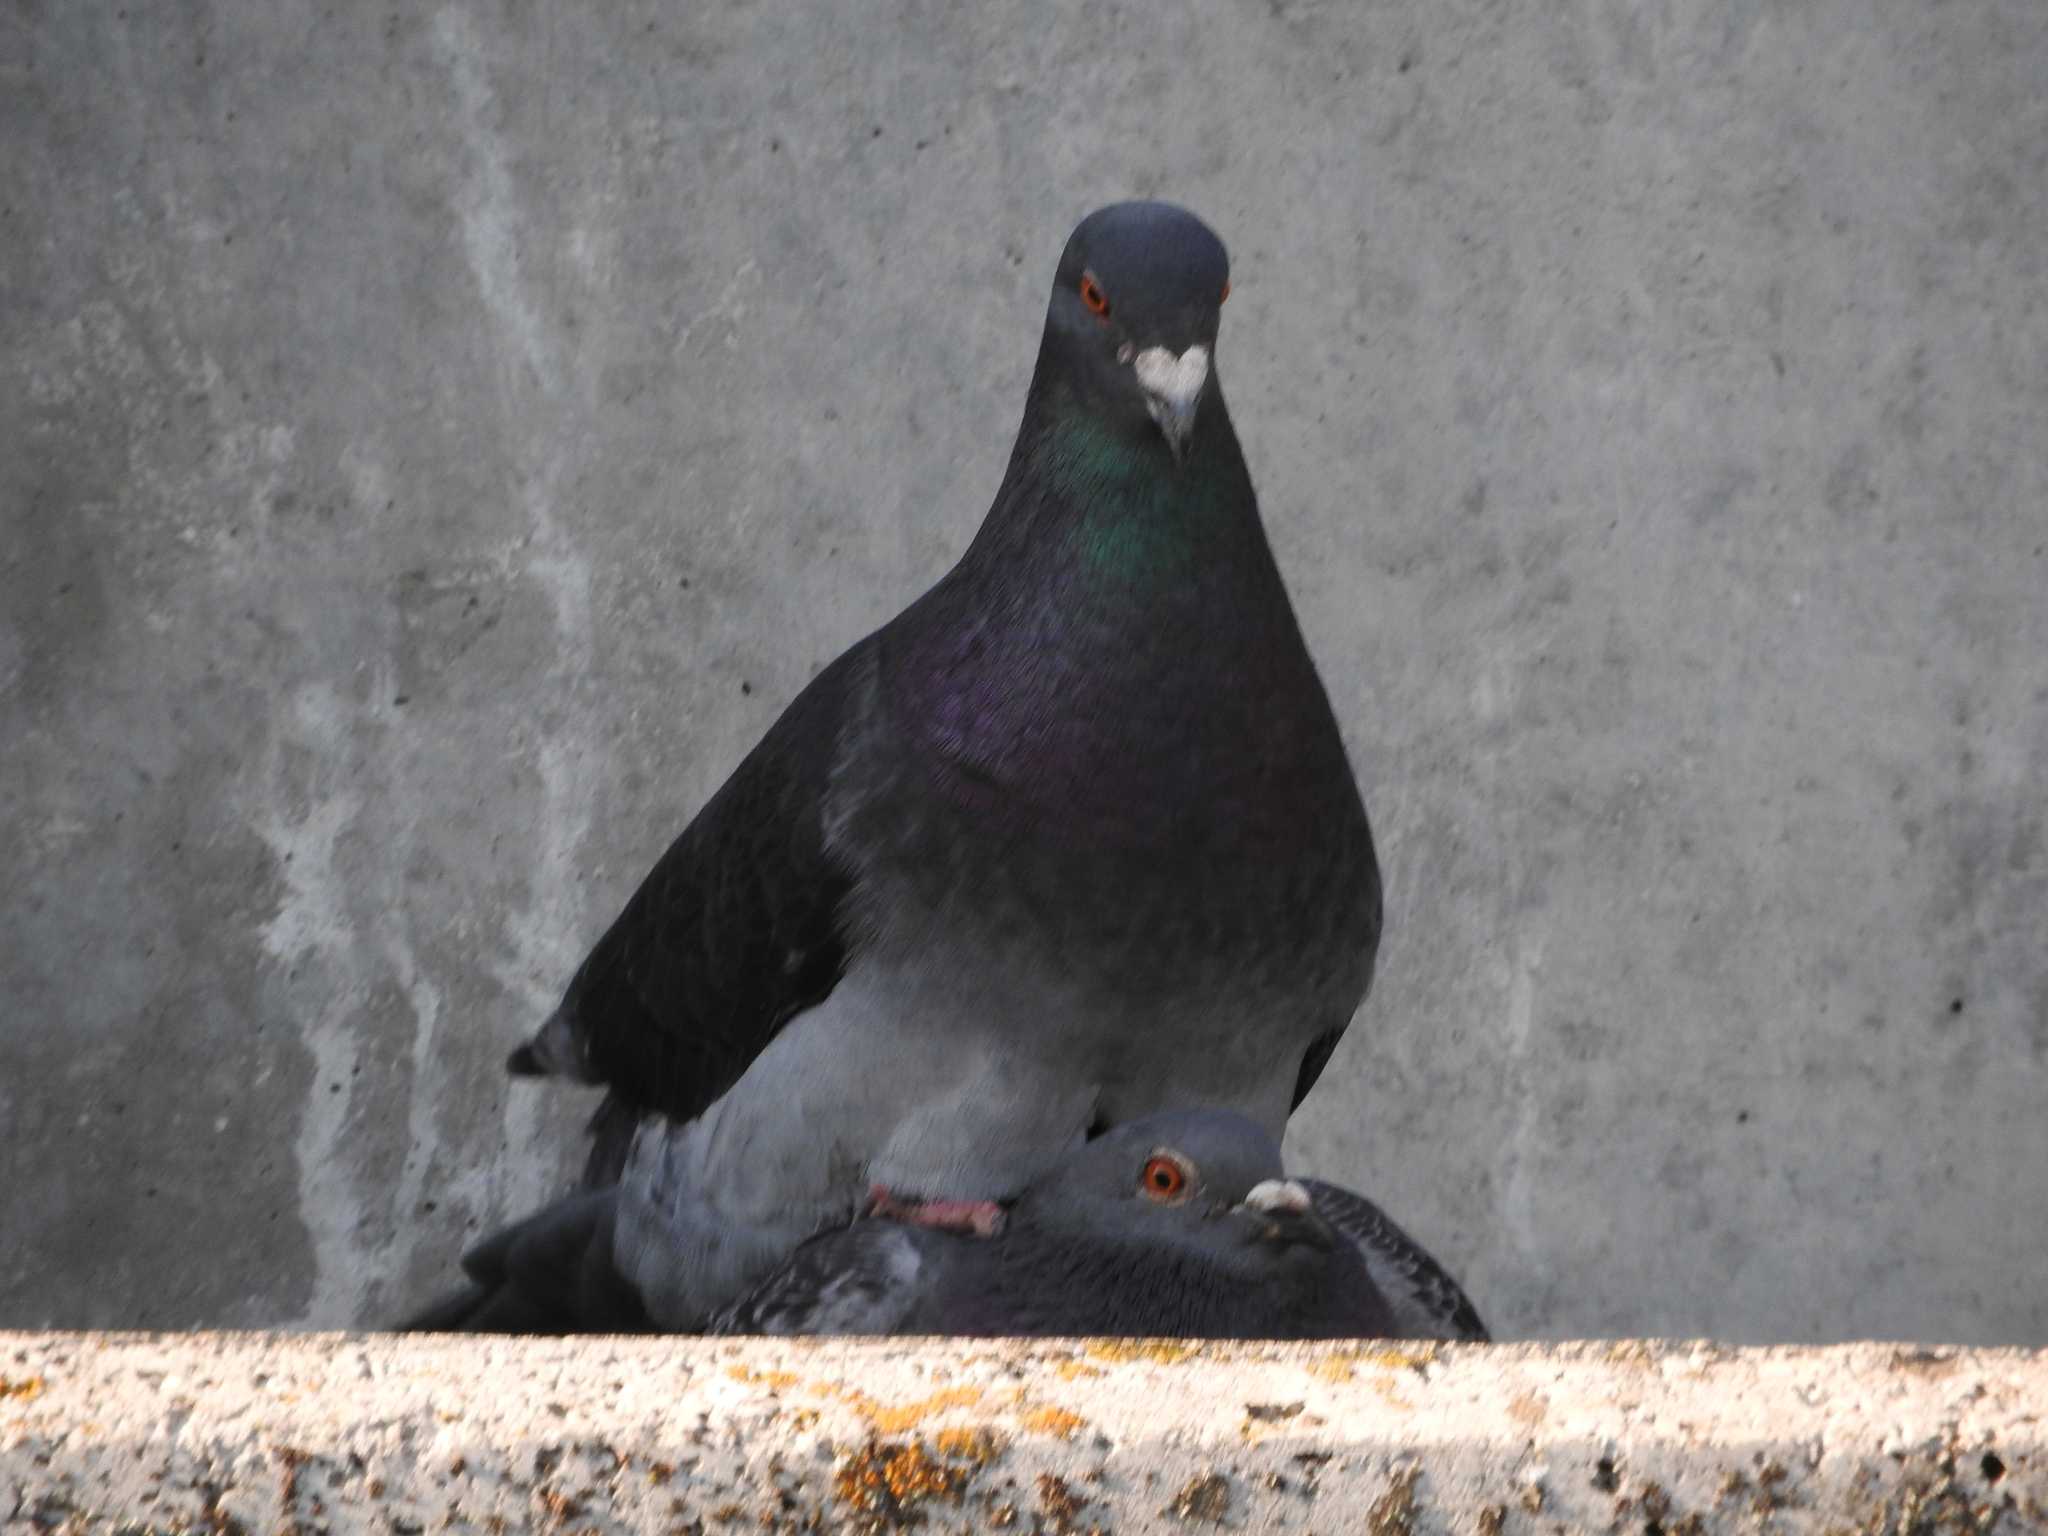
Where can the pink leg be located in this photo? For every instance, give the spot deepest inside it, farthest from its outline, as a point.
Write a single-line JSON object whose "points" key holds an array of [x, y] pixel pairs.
{"points": [[977, 1218]]}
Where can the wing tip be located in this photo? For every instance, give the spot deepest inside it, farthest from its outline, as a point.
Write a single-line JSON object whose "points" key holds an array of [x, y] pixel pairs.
{"points": [[556, 1049]]}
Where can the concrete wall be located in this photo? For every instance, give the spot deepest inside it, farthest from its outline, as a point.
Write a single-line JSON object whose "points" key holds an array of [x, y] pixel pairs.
{"points": [[436, 440]]}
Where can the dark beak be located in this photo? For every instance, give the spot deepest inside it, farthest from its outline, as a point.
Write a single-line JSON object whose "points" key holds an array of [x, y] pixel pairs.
{"points": [[1282, 1213]]}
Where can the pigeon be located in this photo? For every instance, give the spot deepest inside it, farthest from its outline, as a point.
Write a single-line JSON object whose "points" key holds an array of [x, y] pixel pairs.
{"points": [[1180, 1225], [553, 1272], [1071, 839]]}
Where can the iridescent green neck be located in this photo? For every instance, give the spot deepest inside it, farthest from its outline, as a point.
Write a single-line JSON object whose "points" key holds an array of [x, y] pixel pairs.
{"points": [[1141, 518]]}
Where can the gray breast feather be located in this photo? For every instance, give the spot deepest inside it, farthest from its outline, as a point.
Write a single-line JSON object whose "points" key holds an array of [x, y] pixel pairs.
{"points": [[1427, 1302]]}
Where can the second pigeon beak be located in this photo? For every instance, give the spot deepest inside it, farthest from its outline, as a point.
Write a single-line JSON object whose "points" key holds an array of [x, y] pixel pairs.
{"points": [[1283, 1212], [1173, 390]]}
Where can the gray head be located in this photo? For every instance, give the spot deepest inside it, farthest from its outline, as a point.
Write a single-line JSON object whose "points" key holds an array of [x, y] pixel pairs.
{"points": [[1133, 318], [1201, 1183]]}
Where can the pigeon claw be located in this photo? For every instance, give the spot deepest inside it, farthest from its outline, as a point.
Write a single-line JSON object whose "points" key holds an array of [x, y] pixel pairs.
{"points": [[974, 1218]]}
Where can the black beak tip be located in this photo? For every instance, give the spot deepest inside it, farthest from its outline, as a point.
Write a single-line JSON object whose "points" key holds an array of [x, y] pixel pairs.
{"points": [[1290, 1229]]}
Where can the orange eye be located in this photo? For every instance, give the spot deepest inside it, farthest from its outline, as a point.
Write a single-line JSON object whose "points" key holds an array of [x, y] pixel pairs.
{"points": [[1093, 296], [1223, 298], [1165, 1178]]}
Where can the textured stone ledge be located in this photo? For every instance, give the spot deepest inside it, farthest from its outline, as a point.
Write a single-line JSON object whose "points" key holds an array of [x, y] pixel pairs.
{"points": [[267, 1433]]}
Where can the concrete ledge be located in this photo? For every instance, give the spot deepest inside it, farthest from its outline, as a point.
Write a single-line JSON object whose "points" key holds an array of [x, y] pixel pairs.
{"points": [[256, 1432]]}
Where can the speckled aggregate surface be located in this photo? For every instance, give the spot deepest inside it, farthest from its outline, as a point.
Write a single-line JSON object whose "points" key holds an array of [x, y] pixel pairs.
{"points": [[258, 1433]]}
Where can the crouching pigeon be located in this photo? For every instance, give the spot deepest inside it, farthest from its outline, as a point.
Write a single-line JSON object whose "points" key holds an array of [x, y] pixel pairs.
{"points": [[1180, 1225], [1071, 839]]}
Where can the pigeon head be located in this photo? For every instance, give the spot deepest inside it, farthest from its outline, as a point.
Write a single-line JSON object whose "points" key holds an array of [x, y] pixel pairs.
{"points": [[1133, 318], [1203, 1183]]}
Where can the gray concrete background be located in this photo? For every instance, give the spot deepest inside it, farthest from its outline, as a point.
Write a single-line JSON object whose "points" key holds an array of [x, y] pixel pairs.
{"points": [[436, 440]]}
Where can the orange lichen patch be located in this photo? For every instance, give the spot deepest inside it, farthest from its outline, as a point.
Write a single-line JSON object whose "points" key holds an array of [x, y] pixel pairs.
{"points": [[1158, 1351], [883, 1418], [887, 1482], [1399, 1359], [1392, 1394], [782, 1381], [1528, 1408], [1054, 1421], [1077, 1370], [1343, 1365], [27, 1390], [1631, 1352], [895, 1418], [980, 1446]]}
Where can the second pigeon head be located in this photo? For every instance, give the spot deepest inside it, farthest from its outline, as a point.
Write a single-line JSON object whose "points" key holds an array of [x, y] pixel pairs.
{"points": [[1133, 319], [1205, 1181]]}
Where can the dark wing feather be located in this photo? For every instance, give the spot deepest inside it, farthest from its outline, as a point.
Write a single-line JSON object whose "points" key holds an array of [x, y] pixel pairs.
{"points": [[611, 1128], [551, 1273], [1428, 1303], [868, 1278], [734, 930], [1313, 1060], [1353, 850]]}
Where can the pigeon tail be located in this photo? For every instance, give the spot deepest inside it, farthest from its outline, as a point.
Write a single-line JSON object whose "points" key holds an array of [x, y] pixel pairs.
{"points": [[553, 1272], [1428, 1302]]}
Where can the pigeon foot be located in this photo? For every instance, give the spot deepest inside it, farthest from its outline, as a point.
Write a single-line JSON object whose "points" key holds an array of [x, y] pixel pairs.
{"points": [[976, 1218]]}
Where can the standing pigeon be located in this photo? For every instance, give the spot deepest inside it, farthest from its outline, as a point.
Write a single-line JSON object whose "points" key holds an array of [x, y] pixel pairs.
{"points": [[1179, 1225], [1070, 839]]}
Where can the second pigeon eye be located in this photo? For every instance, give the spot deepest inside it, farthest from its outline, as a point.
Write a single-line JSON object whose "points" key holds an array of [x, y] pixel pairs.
{"points": [[1165, 1178], [1093, 296]]}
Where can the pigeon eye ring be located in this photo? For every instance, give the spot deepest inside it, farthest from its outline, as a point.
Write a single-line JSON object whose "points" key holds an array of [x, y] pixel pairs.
{"points": [[1166, 1178]]}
